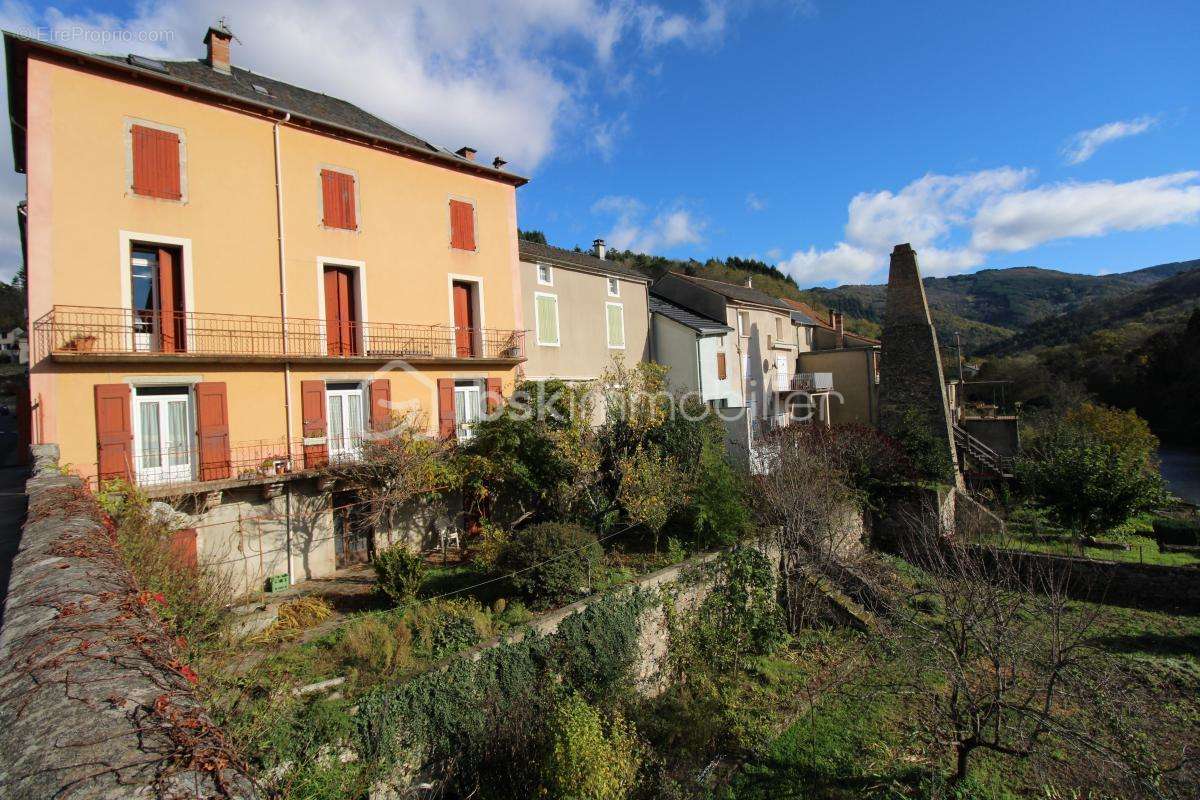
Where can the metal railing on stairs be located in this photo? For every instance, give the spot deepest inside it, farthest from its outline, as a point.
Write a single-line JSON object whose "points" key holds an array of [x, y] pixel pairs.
{"points": [[977, 454]]}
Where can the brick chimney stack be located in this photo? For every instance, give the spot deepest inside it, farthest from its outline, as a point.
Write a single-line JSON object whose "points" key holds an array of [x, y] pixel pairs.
{"points": [[839, 331], [218, 40]]}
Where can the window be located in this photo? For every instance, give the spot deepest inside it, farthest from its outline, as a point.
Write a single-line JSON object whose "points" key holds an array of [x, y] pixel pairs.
{"points": [[462, 225], [615, 319], [156, 170], [344, 415], [743, 318], [614, 287], [156, 298], [468, 408], [545, 275], [779, 329], [338, 200], [546, 312], [162, 438]]}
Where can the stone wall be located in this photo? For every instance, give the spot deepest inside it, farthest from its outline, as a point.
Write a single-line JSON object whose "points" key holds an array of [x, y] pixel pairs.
{"points": [[93, 702], [911, 382]]}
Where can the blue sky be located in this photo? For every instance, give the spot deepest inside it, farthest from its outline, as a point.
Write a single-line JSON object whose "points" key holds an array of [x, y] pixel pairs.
{"points": [[810, 134]]}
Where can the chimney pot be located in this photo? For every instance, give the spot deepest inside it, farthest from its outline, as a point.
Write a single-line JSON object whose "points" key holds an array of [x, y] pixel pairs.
{"points": [[599, 250], [498, 162], [749, 282], [218, 39], [839, 332], [466, 152]]}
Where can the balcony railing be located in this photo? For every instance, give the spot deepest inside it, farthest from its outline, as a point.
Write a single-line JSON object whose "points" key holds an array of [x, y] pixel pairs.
{"points": [[81, 331], [804, 382]]}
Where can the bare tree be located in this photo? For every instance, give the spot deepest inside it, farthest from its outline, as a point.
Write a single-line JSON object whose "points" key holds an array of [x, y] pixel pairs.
{"points": [[996, 649]]}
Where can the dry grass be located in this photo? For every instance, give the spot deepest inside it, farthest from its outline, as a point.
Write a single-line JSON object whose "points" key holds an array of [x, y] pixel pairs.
{"points": [[295, 616]]}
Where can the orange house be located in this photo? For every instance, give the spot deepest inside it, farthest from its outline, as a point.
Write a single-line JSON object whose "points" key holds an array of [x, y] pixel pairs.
{"points": [[233, 279]]}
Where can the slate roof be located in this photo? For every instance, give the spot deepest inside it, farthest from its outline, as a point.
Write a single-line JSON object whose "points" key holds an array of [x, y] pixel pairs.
{"points": [[805, 310], [239, 84], [732, 291], [536, 251], [702, 325]]}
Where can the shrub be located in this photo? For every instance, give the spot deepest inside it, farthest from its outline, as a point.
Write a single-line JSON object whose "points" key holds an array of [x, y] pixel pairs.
{"points": [[719, 513], [590, 760], [399, 572], [1185, 532], [487, 550], [551, 562], [441, 627], [373, 648], [596, 649]]}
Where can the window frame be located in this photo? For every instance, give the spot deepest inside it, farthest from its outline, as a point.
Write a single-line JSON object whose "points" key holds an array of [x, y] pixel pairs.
{"points": [[129, 123], [549, 273], [467, 388], [344, 392], [357, 185], [160, 395], [607, 332], [614, 282], [743, 323], [537, 321]]}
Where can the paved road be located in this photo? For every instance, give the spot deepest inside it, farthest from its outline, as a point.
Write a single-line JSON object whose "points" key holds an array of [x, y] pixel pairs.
{"points": [[12, 502]]}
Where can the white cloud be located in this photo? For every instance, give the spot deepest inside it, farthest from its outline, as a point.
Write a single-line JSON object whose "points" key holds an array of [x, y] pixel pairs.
{"points": [[631, 230], [755, 203], [507, 78], [1084, 144], [955, 221], [1025, 219]]}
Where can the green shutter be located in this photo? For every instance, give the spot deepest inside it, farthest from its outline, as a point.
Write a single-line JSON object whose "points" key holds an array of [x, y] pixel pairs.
{"points": [[616, 325], [547, 319]]}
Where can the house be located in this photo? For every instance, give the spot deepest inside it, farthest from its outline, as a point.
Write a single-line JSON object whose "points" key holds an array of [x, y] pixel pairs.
{"points": [[14, 346], [696, 349], [850, 358], [584, 312], [753, 363], [233, 280]]}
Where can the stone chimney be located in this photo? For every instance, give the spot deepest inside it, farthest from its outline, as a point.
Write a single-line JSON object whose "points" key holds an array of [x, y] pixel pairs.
{"points": [[839, 331], [598, 249], [466, 152], [218, 39], [749, 282]]}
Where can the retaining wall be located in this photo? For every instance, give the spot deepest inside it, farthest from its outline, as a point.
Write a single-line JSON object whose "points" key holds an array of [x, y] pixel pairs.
{"points": [[89, 706]]}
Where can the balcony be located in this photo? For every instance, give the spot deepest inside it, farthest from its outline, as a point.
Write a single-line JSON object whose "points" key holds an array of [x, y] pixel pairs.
{"points": [[810, 382], [82, 333]]}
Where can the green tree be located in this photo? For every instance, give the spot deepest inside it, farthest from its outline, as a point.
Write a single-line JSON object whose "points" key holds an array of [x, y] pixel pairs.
{"points": [[532, 236], [1093, 469]]}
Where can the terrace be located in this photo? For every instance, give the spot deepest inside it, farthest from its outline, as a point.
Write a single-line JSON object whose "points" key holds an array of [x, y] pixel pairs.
{"points": [[84, 333]]}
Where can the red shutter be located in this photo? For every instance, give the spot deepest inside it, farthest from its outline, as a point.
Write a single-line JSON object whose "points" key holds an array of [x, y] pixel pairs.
{"points": [[337, 198], [445, 407], [381, 397], [462, 225], [114, 431], [722, 372], [212, 430], [156, 163], [312, 412], [183, 546], [495, 394]]}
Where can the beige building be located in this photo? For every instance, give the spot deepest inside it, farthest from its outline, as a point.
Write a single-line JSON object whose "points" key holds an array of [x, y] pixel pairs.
{"points": [[232, 280], [583, 312], [850, 358], [753, 365]]}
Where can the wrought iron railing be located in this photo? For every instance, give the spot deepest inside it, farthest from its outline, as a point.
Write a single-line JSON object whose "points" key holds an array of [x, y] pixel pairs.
{"points": [[120, 331], [804, 382]]}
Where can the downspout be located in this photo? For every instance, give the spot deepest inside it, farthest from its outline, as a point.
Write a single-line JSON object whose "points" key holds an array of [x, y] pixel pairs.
{"points": [[283, 324]]}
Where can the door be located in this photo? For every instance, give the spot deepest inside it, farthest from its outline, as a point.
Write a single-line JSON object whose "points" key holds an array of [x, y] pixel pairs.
{"points": [[467, 409], [351, 531], [464, 319], [340, 328], [156, 283], [783, 380], [162, 438], [344, 415]]}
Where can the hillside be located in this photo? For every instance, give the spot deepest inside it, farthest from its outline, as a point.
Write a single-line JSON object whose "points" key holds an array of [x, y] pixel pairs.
{"points": [[1167, 302], [993, 305]]}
